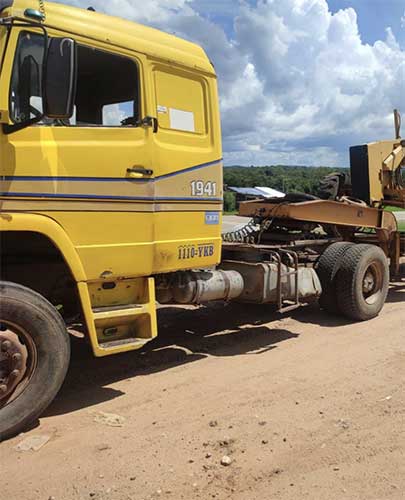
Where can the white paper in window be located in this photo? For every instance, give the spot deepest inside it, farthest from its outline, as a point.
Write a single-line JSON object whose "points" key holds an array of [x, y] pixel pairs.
{"points": [[182, 120]]}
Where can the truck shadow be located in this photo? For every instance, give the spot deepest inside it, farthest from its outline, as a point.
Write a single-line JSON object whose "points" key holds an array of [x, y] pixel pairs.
{"points": [[185, 336], [312, 314], [396, 293]]}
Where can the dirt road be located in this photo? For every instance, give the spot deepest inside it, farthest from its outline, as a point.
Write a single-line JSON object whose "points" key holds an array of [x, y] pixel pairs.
{"points": [[233, 223], [306, 406]]}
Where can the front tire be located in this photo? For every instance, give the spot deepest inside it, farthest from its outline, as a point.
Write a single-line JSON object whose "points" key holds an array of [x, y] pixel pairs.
{"points": [[363, 282], [34, 356]]}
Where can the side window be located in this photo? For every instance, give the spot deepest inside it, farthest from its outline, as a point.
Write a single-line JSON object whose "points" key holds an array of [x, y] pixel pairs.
{"points": [[26, 80], [107, 89], [107, 86], [181, 102]]}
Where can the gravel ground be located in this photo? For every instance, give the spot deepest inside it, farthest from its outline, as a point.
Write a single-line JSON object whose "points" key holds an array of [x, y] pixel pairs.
{"points": [[229, 402], [233, 223]]}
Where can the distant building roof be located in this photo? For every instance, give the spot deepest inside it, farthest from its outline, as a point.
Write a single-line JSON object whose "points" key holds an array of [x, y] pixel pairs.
{"points": [[270, 192], [262, 192], [246, 191]]}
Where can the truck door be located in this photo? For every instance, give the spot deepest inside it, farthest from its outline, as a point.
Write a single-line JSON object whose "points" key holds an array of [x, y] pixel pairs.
{"points": [[188, 166], [93, 174]]}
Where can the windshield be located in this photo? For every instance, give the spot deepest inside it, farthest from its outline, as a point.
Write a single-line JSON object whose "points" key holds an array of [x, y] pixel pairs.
{"points": [[26, 81]]}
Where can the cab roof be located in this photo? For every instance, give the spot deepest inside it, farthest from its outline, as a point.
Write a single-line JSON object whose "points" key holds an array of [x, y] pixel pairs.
{"points": [[115, 31]]}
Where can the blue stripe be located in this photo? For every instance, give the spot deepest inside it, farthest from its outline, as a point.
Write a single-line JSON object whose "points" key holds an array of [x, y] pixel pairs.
{"points": [[190, 169], [107, 179], [104, 197]]}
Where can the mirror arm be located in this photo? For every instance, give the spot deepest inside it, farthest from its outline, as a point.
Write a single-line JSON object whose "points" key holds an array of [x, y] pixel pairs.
{"points": [[19, 22]]}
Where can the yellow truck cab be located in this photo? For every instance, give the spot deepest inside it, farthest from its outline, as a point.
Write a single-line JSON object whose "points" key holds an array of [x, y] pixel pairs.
{"points": [[111, 202], [111, 175]]}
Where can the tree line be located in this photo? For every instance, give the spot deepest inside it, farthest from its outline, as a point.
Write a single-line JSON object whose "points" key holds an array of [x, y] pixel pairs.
{"points": [[287, 179]]}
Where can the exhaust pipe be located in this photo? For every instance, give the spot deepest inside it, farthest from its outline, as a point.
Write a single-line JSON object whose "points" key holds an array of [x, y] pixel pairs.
{"points": [[196, 287]]}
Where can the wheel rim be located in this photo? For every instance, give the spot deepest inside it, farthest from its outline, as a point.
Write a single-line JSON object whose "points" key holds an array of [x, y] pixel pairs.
{"points": [[18, 360], [373, 283]]}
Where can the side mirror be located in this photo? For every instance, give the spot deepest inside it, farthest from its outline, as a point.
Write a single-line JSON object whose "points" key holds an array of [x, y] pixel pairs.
{"points": [[60, 79]]}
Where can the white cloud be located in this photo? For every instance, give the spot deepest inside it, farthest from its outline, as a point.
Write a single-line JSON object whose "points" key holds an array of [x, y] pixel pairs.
{"points": [[113, 115], [321, 82], [257, 156], [297, 83]]}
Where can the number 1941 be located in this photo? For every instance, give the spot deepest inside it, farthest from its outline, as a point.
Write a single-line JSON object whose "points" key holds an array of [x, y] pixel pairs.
{"points": [[201, 188]]}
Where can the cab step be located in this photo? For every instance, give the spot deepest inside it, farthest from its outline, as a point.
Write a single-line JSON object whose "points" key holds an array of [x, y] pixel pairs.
{"points": [[121, 317], [118, 312], [135, 343]]}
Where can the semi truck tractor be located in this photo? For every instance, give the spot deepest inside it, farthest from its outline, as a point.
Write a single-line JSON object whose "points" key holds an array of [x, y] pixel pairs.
{"points": [[111, 202]]}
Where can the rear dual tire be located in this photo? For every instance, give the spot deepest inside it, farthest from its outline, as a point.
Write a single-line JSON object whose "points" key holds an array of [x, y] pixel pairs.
{"points": [[327, 270], [355, 280], [363, 282]]}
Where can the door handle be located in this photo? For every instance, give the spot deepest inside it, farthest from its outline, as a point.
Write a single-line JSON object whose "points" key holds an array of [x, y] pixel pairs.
{"points": [[150, 121], [139, 172]]}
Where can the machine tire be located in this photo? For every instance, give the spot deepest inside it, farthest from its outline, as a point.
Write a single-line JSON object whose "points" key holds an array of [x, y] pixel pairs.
{"points": [[30, 323], [362, 282], [327, 269]]}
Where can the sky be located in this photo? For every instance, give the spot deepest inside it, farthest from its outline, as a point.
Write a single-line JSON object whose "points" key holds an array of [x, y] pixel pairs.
{"points": [[300, 81]]}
